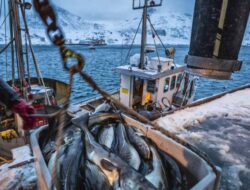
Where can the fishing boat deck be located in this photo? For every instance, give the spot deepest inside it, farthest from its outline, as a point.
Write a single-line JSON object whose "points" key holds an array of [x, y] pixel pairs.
{"points": [[19, 173], [220, 128]]}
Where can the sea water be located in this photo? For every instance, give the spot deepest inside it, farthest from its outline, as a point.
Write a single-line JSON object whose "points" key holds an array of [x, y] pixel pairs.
{"points": [[101, 62]]}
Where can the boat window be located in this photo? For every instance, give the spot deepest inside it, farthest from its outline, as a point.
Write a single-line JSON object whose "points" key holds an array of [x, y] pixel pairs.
{"points": [[166, 86], [151, 86], [173, 82], [191, 92], [179, 78]]}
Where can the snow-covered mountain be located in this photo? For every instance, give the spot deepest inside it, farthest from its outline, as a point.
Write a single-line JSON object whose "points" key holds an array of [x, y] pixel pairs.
{"points": [[172, 27]]}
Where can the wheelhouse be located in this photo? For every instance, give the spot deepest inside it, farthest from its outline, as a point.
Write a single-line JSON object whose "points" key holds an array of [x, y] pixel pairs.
{"points": [[162, 84]]}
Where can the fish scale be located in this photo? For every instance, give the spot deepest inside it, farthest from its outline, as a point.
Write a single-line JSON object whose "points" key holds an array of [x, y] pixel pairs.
{"points": [[118, 172], [106, 136], [157, 177], [125, 150], [139, 143], [95, 178]]}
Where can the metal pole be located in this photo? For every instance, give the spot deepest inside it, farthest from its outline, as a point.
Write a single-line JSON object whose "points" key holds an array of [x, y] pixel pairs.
{"points": [[18, 41], [144, 35], [12, 46], [30, 44]]}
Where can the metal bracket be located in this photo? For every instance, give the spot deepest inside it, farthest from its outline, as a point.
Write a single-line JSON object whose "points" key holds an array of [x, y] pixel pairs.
{"points": [[152, 3], [212, 67]]}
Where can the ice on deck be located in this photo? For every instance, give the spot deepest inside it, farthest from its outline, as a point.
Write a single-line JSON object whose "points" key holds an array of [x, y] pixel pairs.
{"points": [[221, 128], [20, 173], [235, 105]]}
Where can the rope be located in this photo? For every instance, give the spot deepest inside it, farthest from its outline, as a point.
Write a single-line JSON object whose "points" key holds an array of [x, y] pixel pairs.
{"points": [[156, 32], [155, 43], [27, 59], [59, 135], [130, 48], [158, 37], [4, 21], [6, 46]]}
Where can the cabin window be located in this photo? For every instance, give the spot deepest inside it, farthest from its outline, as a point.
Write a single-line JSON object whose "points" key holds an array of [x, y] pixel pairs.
{"points": [[151, 86], [173, 82], [191, 92], [179, 78], [166, 86]]}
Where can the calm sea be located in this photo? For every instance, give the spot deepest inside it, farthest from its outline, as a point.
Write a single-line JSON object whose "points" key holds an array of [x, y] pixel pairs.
{"points": [[100, 64]]}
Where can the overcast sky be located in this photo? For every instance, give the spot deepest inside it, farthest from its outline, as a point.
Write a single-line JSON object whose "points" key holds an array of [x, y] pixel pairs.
{"points": [[117, 9]]}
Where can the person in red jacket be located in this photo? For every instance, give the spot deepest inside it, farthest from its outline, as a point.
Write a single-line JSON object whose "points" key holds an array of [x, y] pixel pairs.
{"points": [[18, 105]]}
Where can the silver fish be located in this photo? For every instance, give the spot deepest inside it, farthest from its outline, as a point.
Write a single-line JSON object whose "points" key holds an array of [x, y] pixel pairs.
{"points": [[81, 120], [71, 161], [106, 136], [140, 144], [102, 118], [119, 173], [95, 179], [125, 150], [95, 129], [104, 107], [51, 162], [157, 177]]}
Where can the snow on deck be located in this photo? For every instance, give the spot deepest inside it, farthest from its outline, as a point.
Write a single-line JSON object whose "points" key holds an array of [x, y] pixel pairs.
{"points": [[221, 128], [20, 173]]}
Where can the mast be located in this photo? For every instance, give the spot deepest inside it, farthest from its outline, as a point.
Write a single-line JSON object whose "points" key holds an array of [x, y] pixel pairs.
{"points": [[18, 41], [12, 46], [145, 6], [144, 35]]}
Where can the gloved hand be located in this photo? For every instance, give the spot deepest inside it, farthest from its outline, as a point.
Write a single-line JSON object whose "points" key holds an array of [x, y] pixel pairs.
{"points": [[24, 110]]}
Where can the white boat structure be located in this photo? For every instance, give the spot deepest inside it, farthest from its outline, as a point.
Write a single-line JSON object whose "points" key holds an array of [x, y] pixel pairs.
{"points": [[150, 48]]}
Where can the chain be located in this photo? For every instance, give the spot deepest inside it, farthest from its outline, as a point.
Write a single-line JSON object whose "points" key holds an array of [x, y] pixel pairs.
{"points": [[56, 36]]}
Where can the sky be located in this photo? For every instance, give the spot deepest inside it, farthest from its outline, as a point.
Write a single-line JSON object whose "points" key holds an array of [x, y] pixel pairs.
{"points": [[117, 9]]}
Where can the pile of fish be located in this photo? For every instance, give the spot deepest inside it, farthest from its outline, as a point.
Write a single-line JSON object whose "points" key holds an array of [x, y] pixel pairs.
{"points": [[99, 151]]}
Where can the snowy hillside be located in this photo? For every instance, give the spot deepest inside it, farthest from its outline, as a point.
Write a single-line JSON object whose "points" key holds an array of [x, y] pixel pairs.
{"points": [[173, 28]]}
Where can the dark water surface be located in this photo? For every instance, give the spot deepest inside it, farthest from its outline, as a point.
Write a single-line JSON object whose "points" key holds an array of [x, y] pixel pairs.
{"points": [[100, 64]]}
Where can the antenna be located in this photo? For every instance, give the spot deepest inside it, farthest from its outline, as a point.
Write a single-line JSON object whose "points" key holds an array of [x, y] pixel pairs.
{"points": [[140, 4]]}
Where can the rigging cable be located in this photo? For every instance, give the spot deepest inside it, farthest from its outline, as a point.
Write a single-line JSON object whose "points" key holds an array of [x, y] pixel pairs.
{"points": [[158, 37], [156, 32], [27, 58], [38, 71], [153, 35], [6, 46], [4, 20], [130, 48]]}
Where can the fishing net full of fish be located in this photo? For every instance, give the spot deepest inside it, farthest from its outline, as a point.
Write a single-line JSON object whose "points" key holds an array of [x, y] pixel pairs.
{"points": [[100, 151]]}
